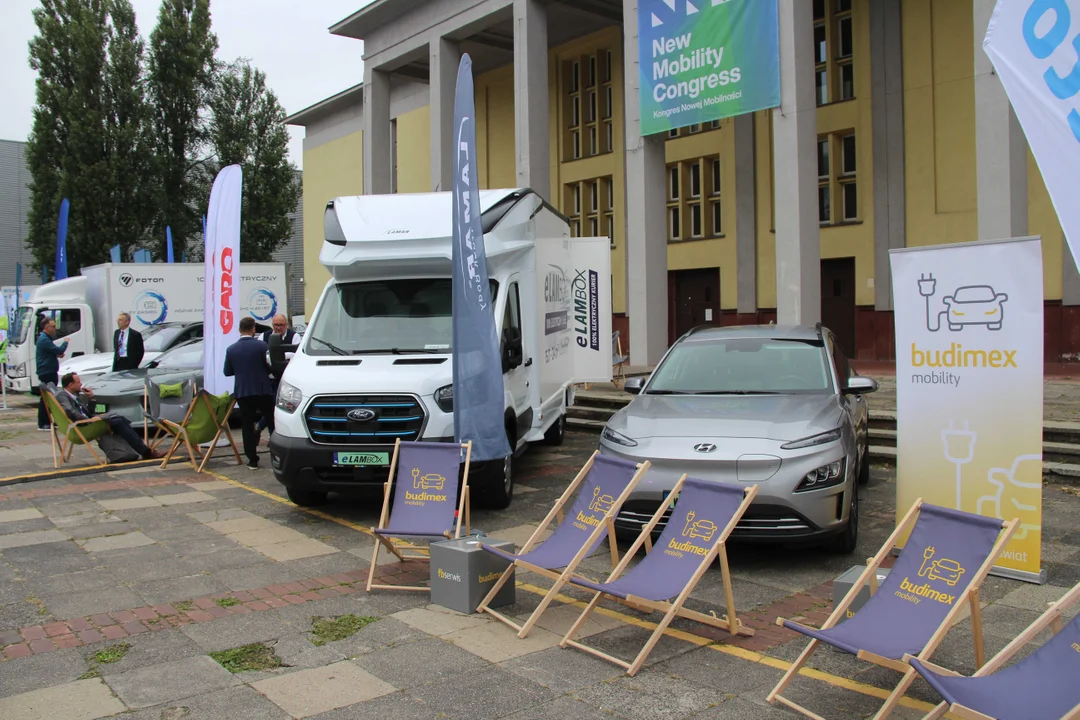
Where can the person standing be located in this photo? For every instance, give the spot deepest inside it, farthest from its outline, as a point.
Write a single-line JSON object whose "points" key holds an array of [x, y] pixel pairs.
{"points": [[281, 334], [127, 345], [245, 360], [48, 365]]}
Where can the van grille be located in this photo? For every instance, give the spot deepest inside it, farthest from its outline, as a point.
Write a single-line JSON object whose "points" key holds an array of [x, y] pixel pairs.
{"points": [[392, 417]]}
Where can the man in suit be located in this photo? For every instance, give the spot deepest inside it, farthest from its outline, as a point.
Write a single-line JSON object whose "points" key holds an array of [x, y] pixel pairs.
{"points": [[245, 360], [77, 402], [127, 345], [280, 335], [48, 364]]}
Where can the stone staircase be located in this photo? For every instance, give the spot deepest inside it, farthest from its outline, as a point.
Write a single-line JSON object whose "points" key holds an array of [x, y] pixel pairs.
{"points": [[1061, 440]]}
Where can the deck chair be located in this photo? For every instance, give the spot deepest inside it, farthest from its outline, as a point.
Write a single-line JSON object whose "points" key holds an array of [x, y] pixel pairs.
{"points": [[67, 433], [619, 361], [943, 565], [165, 414], [604, 482], [429, 502], [206, 419], [1041, 686], [703, 514]]}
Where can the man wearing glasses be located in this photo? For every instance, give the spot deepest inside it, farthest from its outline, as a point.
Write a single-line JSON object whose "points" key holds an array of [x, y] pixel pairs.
{"points": [[276, 339]]}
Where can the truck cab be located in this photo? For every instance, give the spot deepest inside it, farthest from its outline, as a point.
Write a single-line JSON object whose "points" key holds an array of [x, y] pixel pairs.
{"points": [[64, 302], [376, 362]]}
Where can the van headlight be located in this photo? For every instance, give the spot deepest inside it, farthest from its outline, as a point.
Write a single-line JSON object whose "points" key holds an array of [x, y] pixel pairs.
{"points": [[614, 436], [814, 440], [825, 476], [444, 398], [289, 397]]}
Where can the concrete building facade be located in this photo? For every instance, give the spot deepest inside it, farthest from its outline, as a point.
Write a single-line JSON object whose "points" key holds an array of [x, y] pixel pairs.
{"points": [[892, 132]]}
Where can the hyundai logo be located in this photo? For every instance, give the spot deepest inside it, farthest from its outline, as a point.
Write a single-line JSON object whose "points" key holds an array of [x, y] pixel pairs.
{"points": [[361, 415], [704, 447]]}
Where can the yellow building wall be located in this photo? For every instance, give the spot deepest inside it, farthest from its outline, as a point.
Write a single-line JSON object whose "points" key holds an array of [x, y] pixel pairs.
{"points": [[414, 151], [494, 98], [331, 170]]}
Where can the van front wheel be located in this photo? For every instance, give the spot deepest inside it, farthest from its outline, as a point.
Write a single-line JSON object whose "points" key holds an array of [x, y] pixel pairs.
{"points": [[497, 489]]}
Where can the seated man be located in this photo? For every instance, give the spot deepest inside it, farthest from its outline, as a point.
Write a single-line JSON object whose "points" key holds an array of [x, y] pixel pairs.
{"points": [[76, 409]]}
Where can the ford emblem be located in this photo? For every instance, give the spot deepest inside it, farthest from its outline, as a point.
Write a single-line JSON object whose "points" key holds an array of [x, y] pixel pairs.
{"points": [[700, 447], [361, 415]]}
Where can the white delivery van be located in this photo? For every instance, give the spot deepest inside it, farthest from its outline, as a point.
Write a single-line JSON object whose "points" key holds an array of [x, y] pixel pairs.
{"points": [[375, 364], [85, 309]]}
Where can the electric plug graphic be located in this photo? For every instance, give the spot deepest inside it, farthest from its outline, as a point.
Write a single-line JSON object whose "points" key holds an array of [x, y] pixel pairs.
{"points": [[927, 285], [959, 450]]}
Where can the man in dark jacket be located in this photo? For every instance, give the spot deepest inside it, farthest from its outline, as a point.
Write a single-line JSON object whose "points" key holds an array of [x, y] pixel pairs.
{"points": [[280, 335], [245, 360], [127, 345], [71, 399], [48, 365]]}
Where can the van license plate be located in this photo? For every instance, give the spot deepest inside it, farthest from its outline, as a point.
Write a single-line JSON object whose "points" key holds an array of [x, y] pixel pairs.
{"points": [[362, 458]]}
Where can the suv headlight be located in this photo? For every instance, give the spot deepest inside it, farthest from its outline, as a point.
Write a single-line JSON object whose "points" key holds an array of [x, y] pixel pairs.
{"points": [[825, 476], [444, 398], [813, 440], [289, 397], [618, 438]]}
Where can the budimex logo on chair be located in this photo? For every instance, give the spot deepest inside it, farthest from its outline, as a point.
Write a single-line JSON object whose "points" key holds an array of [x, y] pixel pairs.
{"points": [[936, 570], [694, 529], [423, 483], [601, 505]]}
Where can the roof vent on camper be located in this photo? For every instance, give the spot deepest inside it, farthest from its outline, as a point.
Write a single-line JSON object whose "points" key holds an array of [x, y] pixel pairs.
{"points": [[331, 226]]}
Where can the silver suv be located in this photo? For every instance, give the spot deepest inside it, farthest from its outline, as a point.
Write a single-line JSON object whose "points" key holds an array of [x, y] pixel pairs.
{"points": [[776, 406]]}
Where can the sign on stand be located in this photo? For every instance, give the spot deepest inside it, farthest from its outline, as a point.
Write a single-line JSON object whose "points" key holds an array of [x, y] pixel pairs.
{"points": [[969, 385]]}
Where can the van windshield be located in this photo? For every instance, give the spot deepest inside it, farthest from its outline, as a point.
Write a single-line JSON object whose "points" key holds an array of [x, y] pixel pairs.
{"points": [[412, 315], [24, 322]]}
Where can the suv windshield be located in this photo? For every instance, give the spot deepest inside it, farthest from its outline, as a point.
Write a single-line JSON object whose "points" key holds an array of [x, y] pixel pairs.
{"points": [[183, 357], [161, 336], [384, 316], [740, 366]]}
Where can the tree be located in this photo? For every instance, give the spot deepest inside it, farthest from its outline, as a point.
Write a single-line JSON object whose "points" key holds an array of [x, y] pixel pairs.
{"points": [[181, 74], [247, 127], [90, 137]]}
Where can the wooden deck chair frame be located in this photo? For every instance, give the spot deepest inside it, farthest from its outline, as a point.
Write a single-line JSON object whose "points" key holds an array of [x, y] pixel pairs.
{"points": [[1053, 618], [180, 435], [164, 432], [618, 370], [402, 549], [729, 622], [561, 578], [869, 577], [64, 446]]}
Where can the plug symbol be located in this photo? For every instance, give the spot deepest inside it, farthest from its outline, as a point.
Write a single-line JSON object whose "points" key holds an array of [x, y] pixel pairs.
{"points": [[959, 450], [927, 285]]}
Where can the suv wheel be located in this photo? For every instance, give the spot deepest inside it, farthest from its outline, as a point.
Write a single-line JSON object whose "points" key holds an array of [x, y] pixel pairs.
{"points": [[557, 432], [848, 539], [306, 498], [864, 466]]}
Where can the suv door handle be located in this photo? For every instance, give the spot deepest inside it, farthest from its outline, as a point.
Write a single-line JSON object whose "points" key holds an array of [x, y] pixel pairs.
{"points": [[528, 363]]}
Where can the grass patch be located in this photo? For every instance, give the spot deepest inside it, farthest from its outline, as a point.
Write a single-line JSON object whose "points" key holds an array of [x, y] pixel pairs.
{"points": [[227, 602], [111, 654], [248, 657], [328, 630], [184, 606], [90, 674]]}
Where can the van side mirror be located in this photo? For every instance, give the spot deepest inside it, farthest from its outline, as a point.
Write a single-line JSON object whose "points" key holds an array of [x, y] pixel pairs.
{"points": [[633, 385], [858, 385], [512, 350]]}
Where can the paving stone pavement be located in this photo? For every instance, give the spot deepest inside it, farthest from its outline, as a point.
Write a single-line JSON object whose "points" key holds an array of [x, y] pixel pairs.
{"points": [[116, 587]]}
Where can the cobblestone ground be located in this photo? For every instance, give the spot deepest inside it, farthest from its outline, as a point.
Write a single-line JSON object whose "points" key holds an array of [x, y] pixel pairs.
{"points": [[162, 594]]}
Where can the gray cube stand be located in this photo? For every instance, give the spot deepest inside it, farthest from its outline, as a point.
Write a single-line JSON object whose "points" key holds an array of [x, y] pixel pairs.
{"points": [[842, 585], [462, 573]]}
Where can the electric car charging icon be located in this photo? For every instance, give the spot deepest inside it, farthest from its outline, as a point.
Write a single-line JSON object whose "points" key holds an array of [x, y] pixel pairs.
{"points": [[431, 481], [703, 529], [969, 305]]}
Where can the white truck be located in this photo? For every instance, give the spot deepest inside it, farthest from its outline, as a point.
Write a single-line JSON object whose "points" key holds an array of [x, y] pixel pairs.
{"points": [[85, 309], [376, 362]]}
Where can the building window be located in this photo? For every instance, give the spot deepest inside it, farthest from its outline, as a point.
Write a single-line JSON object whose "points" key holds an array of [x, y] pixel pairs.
{"points": [[845, 68], [849, 191], [824, 209], [837, 178], [834, 51], [589, 105], [695, 179], [590, 206], [694, 207]]}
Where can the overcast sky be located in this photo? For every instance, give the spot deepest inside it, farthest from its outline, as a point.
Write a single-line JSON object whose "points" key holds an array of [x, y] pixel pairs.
{"points": [[286, 39]]}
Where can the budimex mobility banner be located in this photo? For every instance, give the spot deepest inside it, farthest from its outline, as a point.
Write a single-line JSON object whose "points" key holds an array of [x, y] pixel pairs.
{"points": [[969, 385], [704, 60]]}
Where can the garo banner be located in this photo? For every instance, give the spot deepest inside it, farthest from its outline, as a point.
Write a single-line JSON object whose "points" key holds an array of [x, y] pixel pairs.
{"points": [[969, 384], [221, 289], [704, 60], [1033, 45]]}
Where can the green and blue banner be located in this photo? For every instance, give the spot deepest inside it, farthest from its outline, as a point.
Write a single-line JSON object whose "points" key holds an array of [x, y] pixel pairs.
{"points": [[704, 60]]}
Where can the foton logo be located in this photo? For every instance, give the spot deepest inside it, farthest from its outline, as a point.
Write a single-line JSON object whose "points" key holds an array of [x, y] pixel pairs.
{"points": [[225, 293]]}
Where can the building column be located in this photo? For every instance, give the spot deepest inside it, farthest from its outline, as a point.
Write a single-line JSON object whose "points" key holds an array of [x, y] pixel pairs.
{"points": [[887, 127], [646, 215], [1000, 146], [798, 239], [745, 214], [531, 133], [442, 80], [378, 148]]}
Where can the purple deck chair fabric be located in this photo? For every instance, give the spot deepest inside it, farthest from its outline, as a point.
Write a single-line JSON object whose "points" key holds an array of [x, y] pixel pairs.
{"points": [[701, 512], [1042, 686], [606, 481], [945, 551], [426, 492]]}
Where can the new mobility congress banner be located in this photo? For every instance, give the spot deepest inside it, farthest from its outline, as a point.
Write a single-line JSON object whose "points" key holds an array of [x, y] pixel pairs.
{"points": [[704, 60], [969, 385]]}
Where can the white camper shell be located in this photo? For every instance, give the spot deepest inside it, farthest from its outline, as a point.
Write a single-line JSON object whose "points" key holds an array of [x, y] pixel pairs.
{"points": [[376, 361]]}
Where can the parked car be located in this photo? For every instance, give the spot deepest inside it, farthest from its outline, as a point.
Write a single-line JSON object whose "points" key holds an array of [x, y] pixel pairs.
{"points": [[776, 406], [156, 340]]}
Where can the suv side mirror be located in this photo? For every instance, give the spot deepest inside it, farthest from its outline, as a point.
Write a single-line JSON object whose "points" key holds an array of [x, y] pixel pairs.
{"points": [[512, 350], [633, 385], [858, 385]]}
